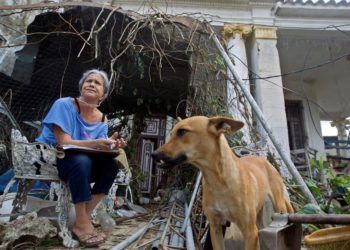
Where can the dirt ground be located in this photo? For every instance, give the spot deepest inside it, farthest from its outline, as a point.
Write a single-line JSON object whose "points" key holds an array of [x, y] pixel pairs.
{"points": [[120, 232]]}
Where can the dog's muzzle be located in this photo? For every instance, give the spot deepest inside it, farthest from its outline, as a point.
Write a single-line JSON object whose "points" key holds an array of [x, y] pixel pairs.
{"points": [[164, 161]]}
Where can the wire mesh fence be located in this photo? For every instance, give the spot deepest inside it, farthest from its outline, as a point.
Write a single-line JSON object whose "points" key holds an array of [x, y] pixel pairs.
{"points": [[158, 64]]}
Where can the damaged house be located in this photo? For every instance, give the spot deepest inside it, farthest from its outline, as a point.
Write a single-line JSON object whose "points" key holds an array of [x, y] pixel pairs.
{"points": [[152, 62], [292, 56]]}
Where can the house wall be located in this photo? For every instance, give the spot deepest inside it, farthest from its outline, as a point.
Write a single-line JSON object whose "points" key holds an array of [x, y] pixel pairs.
{"points": [[218, 12], [311, 114], [265, 61], [13, 29], [268, 13], [255, 13], [20, 20]]}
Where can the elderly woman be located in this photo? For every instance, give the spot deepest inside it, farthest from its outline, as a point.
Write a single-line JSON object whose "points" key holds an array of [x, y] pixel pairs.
{"points": [[77, 121]]}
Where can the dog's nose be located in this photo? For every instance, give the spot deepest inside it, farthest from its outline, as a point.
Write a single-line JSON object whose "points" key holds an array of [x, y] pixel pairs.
{"points": [[155, 155], [159, 156]]}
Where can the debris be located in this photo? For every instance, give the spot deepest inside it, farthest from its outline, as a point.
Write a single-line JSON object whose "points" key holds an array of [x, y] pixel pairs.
{"points": [[107, 223], [126, 213], [135, 207], [29, 229]]}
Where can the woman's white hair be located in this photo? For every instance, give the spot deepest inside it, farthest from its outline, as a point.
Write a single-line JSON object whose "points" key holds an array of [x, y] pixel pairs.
{"points": [[103, 74]]}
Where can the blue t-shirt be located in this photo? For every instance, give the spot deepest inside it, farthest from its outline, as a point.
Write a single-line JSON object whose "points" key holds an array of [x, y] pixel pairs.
{"points": [[64, 115]]}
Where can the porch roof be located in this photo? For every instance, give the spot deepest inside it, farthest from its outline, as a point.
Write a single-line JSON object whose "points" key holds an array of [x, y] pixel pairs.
{"points": [[153, 80], [317, 2]]}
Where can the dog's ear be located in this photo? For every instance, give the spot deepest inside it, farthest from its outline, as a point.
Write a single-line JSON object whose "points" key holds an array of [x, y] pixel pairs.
{"points": [[178, 119], [220, 125]]}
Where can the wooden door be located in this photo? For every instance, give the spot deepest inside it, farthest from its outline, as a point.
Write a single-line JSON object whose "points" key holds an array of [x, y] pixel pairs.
{"points": [[152, 137]]}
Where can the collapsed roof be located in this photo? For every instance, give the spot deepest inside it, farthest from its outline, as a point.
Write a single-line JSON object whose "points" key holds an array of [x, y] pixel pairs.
{"points": [[147, 57]]}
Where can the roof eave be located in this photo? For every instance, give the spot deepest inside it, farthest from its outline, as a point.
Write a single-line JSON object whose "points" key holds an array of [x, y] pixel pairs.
{"points": [[311, 11]]}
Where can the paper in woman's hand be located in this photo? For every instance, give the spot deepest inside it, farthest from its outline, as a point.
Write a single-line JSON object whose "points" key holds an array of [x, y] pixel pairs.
{"points": [[75, 148]]}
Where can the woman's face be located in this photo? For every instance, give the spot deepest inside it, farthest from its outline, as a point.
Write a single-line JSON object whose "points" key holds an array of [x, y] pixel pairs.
{"points": [[93, 87]]}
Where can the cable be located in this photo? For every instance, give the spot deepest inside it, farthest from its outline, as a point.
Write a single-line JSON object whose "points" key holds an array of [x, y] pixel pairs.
{"points": [[301, 70], [304, 94], [342, 101], [288, 89], [307, 99]]}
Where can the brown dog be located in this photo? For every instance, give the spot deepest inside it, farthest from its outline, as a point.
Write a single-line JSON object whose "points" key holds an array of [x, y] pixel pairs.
{"points": [[234, 189]]}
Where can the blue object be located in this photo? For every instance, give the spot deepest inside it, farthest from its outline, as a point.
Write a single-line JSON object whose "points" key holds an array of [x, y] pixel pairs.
{"points": [[7, 176], [64, 115], [79, 170]]}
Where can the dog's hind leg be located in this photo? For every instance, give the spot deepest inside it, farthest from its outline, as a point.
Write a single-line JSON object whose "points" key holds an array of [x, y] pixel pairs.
{"points": [[282, 201], [289, 207], [217, 239]]}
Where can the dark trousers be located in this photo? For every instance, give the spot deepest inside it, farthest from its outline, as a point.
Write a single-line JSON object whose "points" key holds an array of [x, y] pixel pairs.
{"points": [[80, 169]]}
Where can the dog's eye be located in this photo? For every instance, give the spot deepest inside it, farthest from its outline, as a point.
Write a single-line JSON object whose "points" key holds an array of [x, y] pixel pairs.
{"points": [[181, 132]]}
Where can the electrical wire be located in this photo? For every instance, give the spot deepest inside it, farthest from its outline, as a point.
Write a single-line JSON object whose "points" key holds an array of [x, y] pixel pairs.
{"points": [[285, 88], [302, 70], [304, 95]]}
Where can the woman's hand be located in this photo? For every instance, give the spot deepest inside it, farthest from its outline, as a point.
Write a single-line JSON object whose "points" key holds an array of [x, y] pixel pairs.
{"points": [[105, 144], [119, 142]]}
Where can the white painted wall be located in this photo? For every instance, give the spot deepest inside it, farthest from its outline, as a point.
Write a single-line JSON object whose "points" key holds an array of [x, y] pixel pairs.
{"points": [[265, 62], [218, 12], [312, 121], [270, 98], [19, 21]]}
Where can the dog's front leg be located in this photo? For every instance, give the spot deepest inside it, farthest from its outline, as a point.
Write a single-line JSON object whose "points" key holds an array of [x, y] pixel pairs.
{"points": [[216, 236], [251, 238]]}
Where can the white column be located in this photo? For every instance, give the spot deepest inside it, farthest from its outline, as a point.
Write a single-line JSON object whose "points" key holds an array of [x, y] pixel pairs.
{"points": [[265, 62], [341, 127], [235, 38]]}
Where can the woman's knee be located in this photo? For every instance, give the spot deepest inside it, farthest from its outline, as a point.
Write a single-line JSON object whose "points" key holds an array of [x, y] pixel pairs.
{"points": [[81, 166], [108, 167], [75, 165]]}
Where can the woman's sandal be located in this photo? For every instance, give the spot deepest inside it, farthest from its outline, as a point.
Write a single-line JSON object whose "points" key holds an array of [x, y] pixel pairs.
{"points": [[84, 239]]}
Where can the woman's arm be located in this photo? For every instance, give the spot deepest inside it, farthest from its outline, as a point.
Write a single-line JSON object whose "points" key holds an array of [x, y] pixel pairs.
{"points": [[63, 138]]}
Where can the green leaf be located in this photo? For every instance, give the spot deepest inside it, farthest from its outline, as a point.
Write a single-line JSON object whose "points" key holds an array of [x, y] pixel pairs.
{"points": [[313, 163], [347, 198], [321, 161], [315, 190], [310, 209]]}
